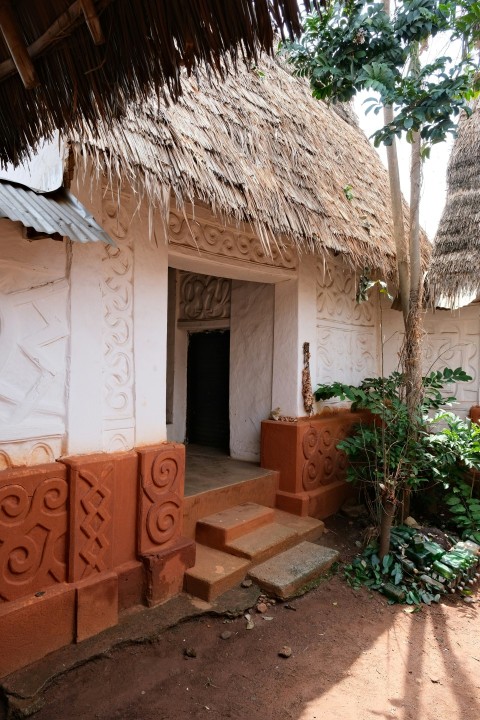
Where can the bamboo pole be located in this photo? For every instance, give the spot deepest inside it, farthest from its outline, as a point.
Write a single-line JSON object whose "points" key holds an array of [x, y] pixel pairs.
{"points": [[63, 26], [16, 46], [93, 21]]}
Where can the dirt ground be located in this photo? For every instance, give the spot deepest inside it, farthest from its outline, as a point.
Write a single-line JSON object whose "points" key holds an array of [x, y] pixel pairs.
{"points": [[353, 657]]}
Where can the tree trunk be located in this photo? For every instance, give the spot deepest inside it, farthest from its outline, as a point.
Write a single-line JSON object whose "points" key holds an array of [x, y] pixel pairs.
{"points": [[397, 217], [412, 350], [401, 251], [386, 522]]}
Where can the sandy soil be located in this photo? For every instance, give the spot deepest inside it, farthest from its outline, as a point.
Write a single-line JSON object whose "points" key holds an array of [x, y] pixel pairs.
{"points": [[353, 657]]}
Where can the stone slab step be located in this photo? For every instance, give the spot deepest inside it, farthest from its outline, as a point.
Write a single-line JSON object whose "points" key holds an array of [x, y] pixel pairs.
{"points": [[214, 572], [219, 529], [285, 574], [264, 542]]}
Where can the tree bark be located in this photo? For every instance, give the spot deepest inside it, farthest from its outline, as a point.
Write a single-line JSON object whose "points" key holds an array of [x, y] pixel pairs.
{"points": [[397, 210], [412, 351], [388, 515]]}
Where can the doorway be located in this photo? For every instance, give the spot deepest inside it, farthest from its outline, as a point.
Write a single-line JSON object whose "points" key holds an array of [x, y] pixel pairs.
{"points": [[208, 370]]}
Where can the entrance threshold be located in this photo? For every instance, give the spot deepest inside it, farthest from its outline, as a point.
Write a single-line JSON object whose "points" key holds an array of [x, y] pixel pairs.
{"points": [[209, 468]]}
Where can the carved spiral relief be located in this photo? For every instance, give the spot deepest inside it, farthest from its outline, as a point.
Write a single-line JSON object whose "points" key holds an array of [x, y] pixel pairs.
{"points": [[161, 498], [32, 537], [346, 333], [323, 464], [336, 290]]}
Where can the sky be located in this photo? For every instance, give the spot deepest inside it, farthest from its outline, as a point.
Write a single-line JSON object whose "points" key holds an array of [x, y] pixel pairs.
{"points": [[435, 168]]}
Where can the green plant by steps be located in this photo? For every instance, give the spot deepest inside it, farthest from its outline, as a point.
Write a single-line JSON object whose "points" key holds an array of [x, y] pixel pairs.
{"points": [[418, 569], [453, 453], [392, 453]]}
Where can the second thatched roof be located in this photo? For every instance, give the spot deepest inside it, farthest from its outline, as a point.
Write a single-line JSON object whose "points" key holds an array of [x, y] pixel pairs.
{"points": [[454, 272], [258, 148]]}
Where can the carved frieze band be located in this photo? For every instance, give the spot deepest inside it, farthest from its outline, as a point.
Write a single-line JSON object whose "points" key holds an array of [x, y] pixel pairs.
{"points": [[215, 239], [204, 297], [162, 476], [33, 527], [117, 295]]}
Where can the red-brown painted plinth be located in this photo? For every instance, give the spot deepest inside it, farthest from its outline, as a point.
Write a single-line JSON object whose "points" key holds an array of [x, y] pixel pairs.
{"points": [[165, 570], [32, 627], [131, 585], [97, 604], [312, 470]]}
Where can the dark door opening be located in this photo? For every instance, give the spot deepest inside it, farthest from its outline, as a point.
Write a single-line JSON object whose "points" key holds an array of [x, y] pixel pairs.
{"points": [[208, 370]]}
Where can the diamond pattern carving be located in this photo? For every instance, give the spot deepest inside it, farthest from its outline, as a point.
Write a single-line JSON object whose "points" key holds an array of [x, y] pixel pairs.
{"points": [[91, 527]]}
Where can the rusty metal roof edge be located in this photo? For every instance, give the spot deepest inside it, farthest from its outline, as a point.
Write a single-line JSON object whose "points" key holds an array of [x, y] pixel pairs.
{"points": [[57, 212]]}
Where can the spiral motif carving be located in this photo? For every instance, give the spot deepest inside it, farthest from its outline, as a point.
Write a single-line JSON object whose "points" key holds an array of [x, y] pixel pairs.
{"points": [[204, 297], [309, 442], [162, 520], [14, 504], [164, 472], [117, 299], [323, 464], [162, 477], [33, 526]]}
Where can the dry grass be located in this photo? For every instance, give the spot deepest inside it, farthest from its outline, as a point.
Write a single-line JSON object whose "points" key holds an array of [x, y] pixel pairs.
{"points": [[147, 43], [456, 254], [258, 148]]}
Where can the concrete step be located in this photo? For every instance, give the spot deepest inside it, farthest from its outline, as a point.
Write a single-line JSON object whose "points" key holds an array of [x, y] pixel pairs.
{"points": [[263, 543], [214, 573], [307, 528], [262, 490], [221, 528], [286, 531], [287, 573]]}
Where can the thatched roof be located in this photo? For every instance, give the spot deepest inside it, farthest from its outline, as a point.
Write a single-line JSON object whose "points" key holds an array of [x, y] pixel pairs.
{"points": [[62, 60], [260, 149], [455, 268]]}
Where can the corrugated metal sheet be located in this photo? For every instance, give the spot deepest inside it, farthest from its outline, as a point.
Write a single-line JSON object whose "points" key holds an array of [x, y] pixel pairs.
{"points": [[57, 212]]}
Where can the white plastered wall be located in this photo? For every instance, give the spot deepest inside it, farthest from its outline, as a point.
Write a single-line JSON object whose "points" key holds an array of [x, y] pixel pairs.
{"points": [[452, 340], [34, 332], [119, 327], [348, 337], [83, 337], [251, 357]]}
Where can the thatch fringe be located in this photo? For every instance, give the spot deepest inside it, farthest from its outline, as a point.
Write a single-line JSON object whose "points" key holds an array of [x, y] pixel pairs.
{"points": [[454, 271], [147, 43], [259, 149]]}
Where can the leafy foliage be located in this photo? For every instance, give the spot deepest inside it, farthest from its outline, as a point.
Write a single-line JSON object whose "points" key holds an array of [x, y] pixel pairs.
{"points": [[391, 578], [391, 453], [453, 453], [354, 45]]}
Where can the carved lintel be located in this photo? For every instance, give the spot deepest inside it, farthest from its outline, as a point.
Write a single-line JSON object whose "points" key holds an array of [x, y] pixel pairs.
{"points": [[210, 238]]}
